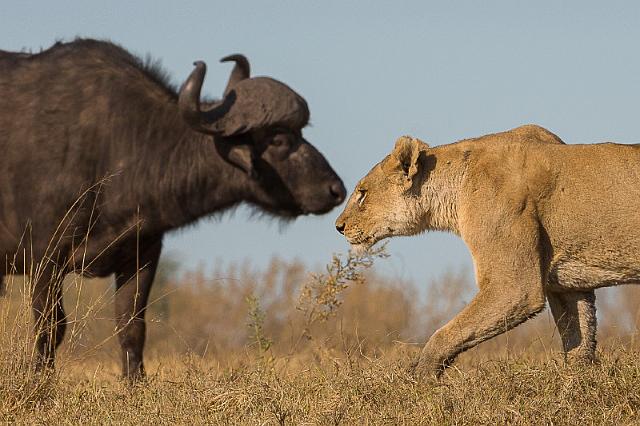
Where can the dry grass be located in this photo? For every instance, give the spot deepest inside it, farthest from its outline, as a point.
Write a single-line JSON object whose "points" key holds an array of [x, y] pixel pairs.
{"points": [[242, 346], [339, 390]]}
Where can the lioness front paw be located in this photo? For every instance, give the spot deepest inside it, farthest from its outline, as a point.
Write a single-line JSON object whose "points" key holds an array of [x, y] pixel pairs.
{"points": [[422, 369]]}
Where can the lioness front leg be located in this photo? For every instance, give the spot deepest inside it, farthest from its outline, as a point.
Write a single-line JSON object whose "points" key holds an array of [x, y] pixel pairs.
{"points": [[575, 316], [491, 312], [510, 273]]}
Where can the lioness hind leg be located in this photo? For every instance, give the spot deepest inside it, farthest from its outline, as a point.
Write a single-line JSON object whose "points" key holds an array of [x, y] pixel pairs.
{"points": [[575, 316]]}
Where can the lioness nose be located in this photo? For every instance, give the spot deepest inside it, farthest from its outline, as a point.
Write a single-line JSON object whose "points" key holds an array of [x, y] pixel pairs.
{"points": [[340, 227], [338, 191]]}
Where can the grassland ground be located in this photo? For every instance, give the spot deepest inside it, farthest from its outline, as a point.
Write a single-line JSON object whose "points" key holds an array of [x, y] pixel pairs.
{"points": [[246, 350], [330, 389]]}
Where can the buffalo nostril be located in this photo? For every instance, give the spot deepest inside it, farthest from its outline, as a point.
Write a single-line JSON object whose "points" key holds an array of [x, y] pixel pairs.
{"points": [[338, 191], [340, 228]]}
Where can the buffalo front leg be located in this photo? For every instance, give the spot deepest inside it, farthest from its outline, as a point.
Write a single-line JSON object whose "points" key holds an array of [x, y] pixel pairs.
{"points": [[575, 316], [133, 284], [49, 317], [489, 314]]}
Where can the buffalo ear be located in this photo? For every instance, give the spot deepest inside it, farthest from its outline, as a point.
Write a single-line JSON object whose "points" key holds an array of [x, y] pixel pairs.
{"points": [[238, 154], [408, 152], [242, 157]]}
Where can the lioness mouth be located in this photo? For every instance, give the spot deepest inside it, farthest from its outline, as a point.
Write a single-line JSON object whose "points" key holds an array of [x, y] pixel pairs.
{"points": [[360, 245]]}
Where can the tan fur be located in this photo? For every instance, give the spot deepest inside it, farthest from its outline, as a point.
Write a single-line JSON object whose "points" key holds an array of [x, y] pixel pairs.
{"points": [[542, 220]]}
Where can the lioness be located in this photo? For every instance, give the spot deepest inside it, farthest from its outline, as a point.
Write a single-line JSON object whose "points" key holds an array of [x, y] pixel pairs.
{"points": [[541, 219]]}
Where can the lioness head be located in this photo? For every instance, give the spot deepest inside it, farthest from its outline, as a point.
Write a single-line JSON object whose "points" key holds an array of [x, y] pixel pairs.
{"points": [[387, 202]]}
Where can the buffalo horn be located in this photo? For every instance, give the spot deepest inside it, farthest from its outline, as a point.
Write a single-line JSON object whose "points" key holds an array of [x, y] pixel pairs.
{"points": [[241, 70], [189, 98]]}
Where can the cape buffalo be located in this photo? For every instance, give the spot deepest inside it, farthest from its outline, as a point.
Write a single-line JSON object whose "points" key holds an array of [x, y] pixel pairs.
{"points": [[101, 156]]}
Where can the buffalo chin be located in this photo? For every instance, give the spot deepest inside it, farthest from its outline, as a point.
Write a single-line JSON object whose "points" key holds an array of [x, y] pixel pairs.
{"points": [[292, 211]]}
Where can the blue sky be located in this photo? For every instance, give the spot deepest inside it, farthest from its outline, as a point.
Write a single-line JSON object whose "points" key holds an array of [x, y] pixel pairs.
{"points": [[372, 71]]}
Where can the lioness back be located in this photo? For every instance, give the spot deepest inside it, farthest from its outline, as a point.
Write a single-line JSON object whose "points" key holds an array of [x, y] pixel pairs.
{"points": [[529, 133]]}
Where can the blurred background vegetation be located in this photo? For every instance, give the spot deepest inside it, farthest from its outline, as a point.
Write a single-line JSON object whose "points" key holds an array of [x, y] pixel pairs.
{"points": [[240, 309]]}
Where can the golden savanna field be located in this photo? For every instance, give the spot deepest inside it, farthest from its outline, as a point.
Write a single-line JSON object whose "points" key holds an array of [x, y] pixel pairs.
{"points": [[239, 345]]}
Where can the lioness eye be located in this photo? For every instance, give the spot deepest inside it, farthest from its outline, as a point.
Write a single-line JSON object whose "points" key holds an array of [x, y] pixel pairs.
{"points": [[362, 194]]}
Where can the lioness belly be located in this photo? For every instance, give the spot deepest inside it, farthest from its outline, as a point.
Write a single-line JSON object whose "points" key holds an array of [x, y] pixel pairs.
{"points": [[576, 274]]}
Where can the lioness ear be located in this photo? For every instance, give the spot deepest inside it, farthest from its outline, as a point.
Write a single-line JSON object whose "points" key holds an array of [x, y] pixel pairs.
{"points": [[408, 152]]}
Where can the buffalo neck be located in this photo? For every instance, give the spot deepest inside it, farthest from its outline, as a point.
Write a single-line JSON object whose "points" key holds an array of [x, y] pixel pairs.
{"points": [[180, 177]]}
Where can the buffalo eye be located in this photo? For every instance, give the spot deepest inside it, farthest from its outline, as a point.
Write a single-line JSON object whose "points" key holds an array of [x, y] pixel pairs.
{"points": [[280, 139], [280, 144]]}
